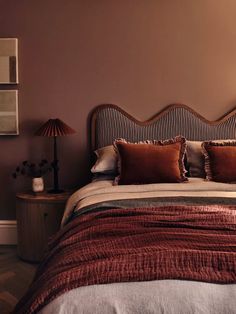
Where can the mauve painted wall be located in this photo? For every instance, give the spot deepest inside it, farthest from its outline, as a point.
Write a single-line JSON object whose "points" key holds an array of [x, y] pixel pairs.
{"points": [[139, 54]]}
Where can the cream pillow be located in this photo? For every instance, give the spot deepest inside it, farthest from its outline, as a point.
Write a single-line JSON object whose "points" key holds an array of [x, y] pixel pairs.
{"points": [[195, 159], [106, 161]]}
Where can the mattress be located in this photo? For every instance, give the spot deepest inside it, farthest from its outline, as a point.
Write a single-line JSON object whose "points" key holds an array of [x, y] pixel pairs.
{"points": [[156, 296]]}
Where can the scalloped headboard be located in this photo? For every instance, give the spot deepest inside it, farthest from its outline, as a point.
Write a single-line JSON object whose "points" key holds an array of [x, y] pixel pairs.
{"points": [[109, 122]]}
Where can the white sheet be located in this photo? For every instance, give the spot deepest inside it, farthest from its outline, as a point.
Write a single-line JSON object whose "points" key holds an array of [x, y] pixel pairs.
{"points": [[147, 297]]}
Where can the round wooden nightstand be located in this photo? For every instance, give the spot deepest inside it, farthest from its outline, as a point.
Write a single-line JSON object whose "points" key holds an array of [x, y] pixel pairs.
{"points": [[38, 217]]}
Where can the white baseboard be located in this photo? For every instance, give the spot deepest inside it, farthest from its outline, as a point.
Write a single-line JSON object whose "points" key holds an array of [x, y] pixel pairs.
{"points": [[8, 232]]}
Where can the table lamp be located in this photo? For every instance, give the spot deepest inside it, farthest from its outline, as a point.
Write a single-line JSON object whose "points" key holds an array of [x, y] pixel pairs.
{"points": [[54, 128]]}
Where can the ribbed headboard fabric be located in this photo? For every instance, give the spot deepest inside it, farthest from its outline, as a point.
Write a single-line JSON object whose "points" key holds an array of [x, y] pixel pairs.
{"points": [[110, 122]]}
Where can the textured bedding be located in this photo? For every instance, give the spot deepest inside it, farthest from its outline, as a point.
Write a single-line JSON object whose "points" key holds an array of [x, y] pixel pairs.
{"points": [[138, 244], [196, 189], [108, 241]]}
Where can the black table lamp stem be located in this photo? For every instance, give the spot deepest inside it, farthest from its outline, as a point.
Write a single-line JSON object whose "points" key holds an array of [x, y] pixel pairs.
{"points": [[55, 169], [55, 165]]}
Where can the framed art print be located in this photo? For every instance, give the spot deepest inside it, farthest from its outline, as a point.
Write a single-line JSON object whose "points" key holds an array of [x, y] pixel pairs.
{"points": [[9, 112], [8, 61]]}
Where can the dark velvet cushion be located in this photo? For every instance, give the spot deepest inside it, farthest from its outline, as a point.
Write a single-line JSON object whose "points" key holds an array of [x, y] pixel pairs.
{"points": [[151, 161], [220, 161]]}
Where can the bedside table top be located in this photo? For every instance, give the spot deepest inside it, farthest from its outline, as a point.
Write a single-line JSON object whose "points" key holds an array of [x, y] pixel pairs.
{"points": [[44, 196]]}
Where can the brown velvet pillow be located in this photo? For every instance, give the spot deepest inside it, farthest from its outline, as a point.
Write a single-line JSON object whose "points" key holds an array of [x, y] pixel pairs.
{"points": [[220, 161], [151, 161]]}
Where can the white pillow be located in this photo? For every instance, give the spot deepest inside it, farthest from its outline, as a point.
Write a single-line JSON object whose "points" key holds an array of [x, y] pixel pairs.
{"points": [[195, 159], [106, 160]]}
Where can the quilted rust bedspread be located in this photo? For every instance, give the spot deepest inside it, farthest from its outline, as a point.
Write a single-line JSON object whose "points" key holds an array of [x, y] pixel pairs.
{"points": [[119, 245]]}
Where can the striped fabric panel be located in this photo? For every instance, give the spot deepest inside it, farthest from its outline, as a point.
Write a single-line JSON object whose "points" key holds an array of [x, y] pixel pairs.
{"points": [[112, 124]]}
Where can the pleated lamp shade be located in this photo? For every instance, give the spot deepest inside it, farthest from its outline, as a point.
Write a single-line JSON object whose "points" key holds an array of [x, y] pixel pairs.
{"points": [[54, 127]]}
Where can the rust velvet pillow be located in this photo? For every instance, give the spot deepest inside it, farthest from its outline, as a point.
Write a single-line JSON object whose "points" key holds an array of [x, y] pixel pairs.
{"points": [[151, 161], [220, 161]]}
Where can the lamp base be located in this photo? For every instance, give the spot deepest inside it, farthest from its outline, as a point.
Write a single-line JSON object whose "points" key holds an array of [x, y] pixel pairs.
{"points": [[53, 191]]}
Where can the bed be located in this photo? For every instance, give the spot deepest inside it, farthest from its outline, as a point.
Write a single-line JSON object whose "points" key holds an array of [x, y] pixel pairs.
{"points": [[146, 248]]}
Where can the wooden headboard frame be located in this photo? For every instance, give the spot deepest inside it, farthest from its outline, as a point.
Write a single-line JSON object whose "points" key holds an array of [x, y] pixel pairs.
{"points": [[110, 121]]}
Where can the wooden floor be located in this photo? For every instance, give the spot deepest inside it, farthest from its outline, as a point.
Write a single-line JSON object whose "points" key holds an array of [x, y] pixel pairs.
{"points": [[15, 277]]}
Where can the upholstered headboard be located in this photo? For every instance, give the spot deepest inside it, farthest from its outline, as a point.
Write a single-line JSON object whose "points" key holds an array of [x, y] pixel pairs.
{"points": [[109, 122]]}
